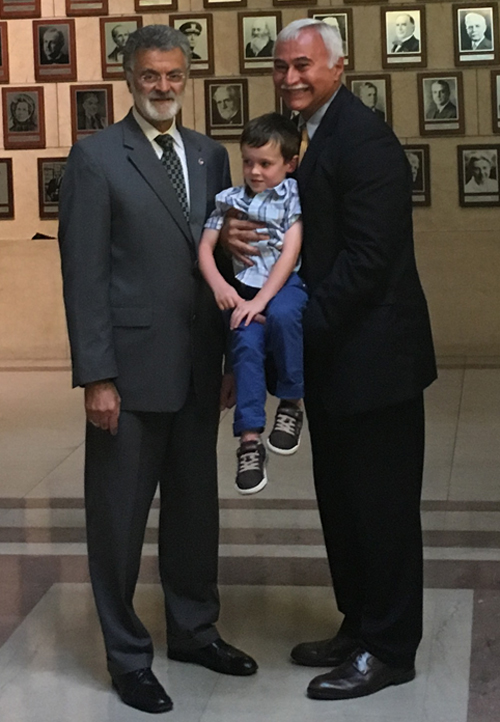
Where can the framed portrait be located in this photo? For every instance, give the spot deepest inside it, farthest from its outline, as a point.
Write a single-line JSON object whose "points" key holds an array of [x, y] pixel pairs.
{"points": [[257, 36], [4, 54], [55, 51], [375, 92], [478, 175], [404, 37], [20, 9], [475, 31], [155, 6], [23, 118], [440, 101], [199, 31], [419, 159], [495, 100], [341, 20], [50, 175], [224, 3], [86, 7], [226, 107], [91, 109], [6, 190], [114, 35]]}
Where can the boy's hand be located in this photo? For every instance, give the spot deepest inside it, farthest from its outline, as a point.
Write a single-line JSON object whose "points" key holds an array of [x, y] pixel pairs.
{"points": [[226, 296], [236, 234], [247, 311]]}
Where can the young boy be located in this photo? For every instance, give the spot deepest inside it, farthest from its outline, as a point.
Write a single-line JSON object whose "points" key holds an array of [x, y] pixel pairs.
{"points": [[268, 297]]}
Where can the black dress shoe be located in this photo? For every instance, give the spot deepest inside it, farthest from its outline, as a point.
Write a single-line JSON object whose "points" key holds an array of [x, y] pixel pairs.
{"points": [[360, 675], [326, 653], [219, 656], [141, 689]]}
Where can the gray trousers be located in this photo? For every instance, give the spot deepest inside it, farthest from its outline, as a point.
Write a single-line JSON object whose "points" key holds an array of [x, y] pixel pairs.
{"points": [[178, 451]]}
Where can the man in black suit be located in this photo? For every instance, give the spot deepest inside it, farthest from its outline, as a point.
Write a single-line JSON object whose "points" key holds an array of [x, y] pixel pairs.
{"points": [[147, 341], [368, 357], [474, 37], [192, 30], [120, 35], [88, 112], [261, 44], [405, 40], [441, 107], [368, 94], [52, 47]]}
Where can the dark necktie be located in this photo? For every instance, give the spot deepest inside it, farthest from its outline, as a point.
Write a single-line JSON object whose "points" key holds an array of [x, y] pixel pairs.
{"points": [[173, 166]]}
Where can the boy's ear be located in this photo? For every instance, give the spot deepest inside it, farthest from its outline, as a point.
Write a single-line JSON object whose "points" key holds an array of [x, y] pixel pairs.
{"points": [[292, 164]]}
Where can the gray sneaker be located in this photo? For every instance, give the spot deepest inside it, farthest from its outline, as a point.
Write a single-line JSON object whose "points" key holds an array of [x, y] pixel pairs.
{"points": [[251, 471], [284, 439]]}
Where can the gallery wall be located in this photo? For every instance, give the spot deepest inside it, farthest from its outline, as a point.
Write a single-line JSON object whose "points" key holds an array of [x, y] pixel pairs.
{"points": [[458, 248]]}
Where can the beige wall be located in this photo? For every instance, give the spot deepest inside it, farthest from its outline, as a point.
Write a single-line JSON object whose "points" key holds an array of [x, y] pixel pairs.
{"points": [[458, 249]]}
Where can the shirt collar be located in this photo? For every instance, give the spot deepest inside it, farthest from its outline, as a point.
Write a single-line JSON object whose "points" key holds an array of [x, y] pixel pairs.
{"points": [[317, 117], [151, 132]]}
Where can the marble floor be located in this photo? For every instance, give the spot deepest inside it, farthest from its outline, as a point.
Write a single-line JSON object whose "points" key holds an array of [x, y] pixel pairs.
{"points": [[274, 580]]}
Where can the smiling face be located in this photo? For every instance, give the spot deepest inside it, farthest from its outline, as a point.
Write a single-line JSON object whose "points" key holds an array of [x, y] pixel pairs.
{"points": [[265, 167], [157, 82], [301, 73]]}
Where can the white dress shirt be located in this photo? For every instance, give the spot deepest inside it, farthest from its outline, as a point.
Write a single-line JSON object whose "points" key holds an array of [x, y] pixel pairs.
{"points": [[151, 132]]}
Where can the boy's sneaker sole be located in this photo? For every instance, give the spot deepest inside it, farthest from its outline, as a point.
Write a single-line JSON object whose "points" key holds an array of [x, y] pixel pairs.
{"points": [[281, 452], [254, 489]]}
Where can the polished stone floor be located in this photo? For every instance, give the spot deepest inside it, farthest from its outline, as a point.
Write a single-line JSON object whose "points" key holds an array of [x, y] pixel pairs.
{"points": [[274, 581]]}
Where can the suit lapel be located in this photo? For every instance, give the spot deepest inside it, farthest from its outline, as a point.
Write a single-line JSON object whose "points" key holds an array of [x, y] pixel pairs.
{"points": [[197, 171], [325, 129], [146, 162]]}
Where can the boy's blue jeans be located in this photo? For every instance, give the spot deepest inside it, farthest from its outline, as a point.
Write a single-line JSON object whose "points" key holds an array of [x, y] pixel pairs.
{"points": [[281, 337]]}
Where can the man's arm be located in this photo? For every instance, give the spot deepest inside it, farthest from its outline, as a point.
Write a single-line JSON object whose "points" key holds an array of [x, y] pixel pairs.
{"points": [[84, 238]]}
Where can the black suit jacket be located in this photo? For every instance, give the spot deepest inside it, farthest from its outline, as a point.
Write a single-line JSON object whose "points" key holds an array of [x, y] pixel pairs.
{"points": [[411, 45], [367, 335], [137, 309]]}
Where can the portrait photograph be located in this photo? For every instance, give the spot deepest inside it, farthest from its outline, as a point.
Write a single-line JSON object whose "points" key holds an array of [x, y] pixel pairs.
{"points": [[476, 34], [418, 158], [114, 35], [199, 31], [6, 190], [375, 92], [341, 20], [91, 109], [55, 51], [86, 7], [152, 6], [226, 107], [23, 118], [257, 37], [478, 175], [4, 53], [440, 104], [20, 9], [495, 100], [50, 175], [403, 37]]}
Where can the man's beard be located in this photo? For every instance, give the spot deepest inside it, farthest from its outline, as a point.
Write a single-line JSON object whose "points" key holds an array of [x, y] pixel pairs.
{"points": [[151, 112], [258, 43]]}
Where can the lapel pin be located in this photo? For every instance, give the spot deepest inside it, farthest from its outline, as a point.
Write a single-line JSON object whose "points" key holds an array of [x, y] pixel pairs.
{"points": [[201, 161]]}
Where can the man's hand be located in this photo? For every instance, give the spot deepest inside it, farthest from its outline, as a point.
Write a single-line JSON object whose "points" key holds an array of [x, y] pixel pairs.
{"points": [[227, 392], [235, 237], [102, 405], [226, 296], [247, 311]]}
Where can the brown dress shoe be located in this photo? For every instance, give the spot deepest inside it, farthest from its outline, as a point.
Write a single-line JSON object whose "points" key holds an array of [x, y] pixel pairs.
{"points": [[326, 653], [360, 675]]}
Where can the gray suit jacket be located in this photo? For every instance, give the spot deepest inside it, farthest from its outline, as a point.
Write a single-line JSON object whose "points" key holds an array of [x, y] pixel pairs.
{"points": [[137, 309]]}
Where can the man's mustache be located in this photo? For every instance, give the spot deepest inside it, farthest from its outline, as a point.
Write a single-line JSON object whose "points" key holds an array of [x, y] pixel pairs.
{"points": [[163, 96]]}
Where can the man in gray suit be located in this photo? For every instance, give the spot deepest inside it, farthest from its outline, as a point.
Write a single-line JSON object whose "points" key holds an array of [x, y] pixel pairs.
{"points": [[147, 342]]}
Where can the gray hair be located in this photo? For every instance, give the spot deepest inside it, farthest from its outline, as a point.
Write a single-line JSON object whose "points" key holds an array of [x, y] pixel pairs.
{"points": [[157, 37], [330, 35]]}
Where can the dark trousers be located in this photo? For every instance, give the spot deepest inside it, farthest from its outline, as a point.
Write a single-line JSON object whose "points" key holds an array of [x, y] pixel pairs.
{"points": [[178, 451], [280, 338], [368, 478]]}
